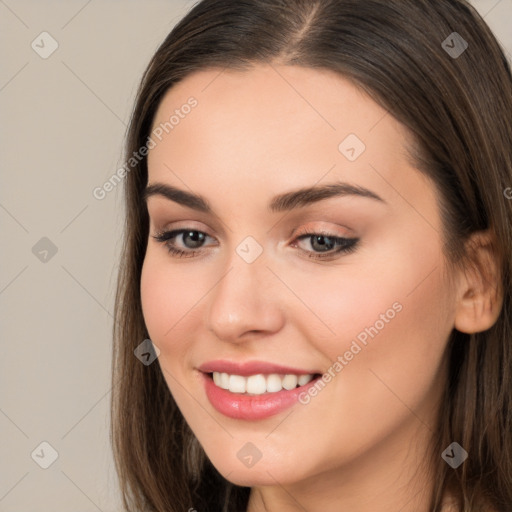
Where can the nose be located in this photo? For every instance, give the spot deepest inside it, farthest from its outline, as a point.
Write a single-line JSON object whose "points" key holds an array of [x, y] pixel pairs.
{"points": [[245, 302]]}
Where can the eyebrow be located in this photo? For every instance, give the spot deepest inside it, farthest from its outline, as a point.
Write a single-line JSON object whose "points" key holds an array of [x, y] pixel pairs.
{"points": [[283, 202]]}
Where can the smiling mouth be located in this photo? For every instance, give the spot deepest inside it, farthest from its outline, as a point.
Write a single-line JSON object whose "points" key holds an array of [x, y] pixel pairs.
{"points": [[259, 384]]}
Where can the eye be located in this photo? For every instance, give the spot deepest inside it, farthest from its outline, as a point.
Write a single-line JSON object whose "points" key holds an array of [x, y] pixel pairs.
{"points": [[326, 245], [192, 239]]}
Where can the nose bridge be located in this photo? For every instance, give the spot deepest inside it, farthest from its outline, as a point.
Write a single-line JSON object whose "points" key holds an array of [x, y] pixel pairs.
{"points": [[241, 301]]}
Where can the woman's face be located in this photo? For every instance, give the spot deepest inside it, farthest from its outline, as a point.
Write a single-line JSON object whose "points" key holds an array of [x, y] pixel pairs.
{"points": [[345, 286]]}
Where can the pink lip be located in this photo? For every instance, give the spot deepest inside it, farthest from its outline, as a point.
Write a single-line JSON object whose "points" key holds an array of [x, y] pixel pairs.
{"points": [[251, 407], [251, 368]]}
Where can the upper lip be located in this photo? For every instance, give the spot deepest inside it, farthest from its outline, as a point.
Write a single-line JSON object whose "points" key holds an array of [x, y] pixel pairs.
{"points": [[247, 368]]}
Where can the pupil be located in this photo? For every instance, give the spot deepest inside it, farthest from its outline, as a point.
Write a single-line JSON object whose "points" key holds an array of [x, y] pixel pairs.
{"points": [[196, 237], [322, 244]]}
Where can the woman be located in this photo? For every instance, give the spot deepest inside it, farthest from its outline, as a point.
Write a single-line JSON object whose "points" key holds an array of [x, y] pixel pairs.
{"points": [[318, 250]]}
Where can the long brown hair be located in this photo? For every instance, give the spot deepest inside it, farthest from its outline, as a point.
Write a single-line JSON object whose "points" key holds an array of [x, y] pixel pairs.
{"points": [[458, 107]]}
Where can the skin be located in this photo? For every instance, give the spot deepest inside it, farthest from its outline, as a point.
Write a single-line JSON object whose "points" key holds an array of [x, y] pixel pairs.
{"points": [[361, 443]]}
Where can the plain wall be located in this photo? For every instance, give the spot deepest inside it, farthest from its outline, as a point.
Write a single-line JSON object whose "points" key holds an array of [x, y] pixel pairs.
{"points": [[63, 122]]}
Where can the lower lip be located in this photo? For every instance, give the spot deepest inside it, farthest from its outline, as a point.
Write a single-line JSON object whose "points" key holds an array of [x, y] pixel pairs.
{"points": [[252, 407]]}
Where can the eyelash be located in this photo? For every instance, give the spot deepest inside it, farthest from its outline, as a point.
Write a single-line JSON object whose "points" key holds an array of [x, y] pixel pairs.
{"points": [[346, 245]]}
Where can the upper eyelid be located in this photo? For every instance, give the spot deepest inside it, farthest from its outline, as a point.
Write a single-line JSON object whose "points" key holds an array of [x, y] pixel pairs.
{"points": [[303, 232], [159, 235], [190, 224], [301, 217], [167, 227]]}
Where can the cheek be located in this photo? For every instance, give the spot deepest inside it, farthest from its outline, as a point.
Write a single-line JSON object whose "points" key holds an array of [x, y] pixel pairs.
{"points": [[397, 292], [389, 318], [169, 299]]}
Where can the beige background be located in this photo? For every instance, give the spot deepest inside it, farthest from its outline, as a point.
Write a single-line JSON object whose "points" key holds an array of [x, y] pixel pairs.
{"points": [[63, 122]]}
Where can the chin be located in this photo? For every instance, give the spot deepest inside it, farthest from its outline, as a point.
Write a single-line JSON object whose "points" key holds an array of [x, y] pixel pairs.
{"points": [[262, 473], [251, 477]]}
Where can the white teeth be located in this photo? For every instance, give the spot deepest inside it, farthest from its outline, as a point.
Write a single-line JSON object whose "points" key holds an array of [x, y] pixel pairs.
{"points": [[274, 383], [224, 381], [304, 379], [290, 382], [259, 384], [237, 384], [256, 384]]}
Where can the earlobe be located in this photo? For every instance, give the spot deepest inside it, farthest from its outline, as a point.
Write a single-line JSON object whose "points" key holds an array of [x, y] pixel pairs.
{"points": [[480, 294]]}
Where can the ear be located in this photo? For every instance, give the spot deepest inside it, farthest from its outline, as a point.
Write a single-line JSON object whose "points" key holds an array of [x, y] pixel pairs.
{"points": [[480, 294]]}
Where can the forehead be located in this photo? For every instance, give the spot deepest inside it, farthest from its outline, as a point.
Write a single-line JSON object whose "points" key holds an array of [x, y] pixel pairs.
{"points": [[284, 125]]}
